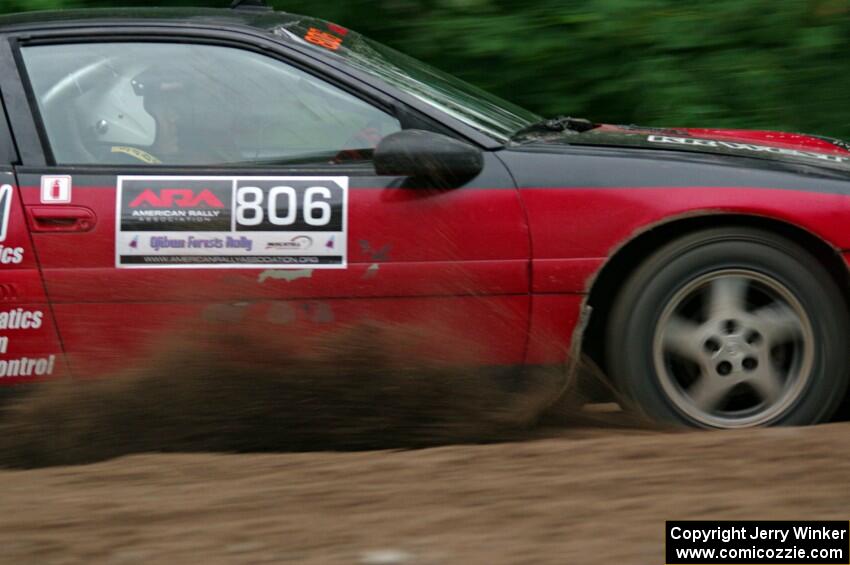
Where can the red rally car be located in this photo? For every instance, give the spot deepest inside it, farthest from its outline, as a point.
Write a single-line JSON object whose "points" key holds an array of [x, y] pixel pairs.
{"points": [[159, 163]]}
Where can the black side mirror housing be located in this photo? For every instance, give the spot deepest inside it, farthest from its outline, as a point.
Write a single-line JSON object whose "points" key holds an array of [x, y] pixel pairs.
{"points": [[427, 156]]}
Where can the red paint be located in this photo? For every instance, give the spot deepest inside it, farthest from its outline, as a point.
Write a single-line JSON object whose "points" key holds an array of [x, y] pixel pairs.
{"points": [[563, 275], [103, 338], [785, 140], [553, 323], [594, 222], [455, 259], [575, 229], [774, 138], [503, 272], [60, 218], [29, 343], [338, 29]]}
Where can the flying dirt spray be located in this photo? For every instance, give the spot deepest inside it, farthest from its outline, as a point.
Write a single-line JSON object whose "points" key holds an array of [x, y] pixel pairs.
{"points": [[365, 386]]}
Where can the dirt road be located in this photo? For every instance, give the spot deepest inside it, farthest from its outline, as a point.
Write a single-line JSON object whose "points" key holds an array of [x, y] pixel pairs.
{"points": [[580, 496]]}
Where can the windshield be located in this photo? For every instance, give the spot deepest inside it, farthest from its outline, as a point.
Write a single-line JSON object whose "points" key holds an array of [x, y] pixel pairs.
{"points": [[469, 104]]}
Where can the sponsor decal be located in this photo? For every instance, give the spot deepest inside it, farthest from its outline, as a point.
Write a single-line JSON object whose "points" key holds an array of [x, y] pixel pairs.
{"points": [[55, 189], [845, 145], [23, 319], [8, 255], [5, 209], [11, 255], [27, 366], [323, 39], [231, 221], [175, 205], [297, 242], [746, 147], [158, 242], [20, 319]]}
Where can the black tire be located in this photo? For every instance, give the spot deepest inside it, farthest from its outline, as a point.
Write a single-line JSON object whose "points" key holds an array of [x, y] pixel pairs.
{"points": [[636, 320]]}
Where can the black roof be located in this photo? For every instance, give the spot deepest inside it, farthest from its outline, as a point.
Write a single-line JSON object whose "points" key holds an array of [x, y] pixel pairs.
{"points": [[258, 19]]}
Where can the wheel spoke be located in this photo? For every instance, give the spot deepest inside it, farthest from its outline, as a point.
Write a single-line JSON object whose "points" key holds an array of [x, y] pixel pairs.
{"points": [[733, 347], [778, 323], [727, 297], [708, 392], [684, 338], [767, 382]]}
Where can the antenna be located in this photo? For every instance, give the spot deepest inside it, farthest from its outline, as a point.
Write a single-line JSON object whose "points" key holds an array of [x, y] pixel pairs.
{"points": [[256, 5]]}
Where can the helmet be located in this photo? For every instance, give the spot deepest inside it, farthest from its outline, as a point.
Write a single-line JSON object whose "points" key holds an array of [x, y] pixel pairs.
{"points": [[190, 125]]}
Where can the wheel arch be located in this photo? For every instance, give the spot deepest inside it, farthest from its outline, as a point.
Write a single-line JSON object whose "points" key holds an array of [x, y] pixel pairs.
{"points": [[608, 281]]}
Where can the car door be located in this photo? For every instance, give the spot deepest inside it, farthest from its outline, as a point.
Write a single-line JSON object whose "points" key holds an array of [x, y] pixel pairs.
{"points": [[182, 181], [29, 345]]}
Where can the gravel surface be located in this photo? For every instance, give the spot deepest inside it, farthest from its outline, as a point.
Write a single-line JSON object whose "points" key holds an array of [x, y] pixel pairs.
{"points": [[580, 495]]}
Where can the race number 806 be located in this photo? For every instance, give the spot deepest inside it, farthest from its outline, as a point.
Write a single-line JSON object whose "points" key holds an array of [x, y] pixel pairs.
{"points": [[309, 205]]}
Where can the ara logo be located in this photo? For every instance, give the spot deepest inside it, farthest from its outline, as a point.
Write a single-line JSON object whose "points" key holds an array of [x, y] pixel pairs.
{"points": [[135, 242], [180, 197], [330, 243], [174, 204]]}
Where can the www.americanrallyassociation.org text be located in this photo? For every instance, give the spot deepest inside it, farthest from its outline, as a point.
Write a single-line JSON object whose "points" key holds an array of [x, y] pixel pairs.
{"points": [[727, 534]]}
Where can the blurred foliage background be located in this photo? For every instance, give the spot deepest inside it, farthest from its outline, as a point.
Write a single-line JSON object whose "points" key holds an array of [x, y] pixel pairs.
{"points": [[733, 63]]}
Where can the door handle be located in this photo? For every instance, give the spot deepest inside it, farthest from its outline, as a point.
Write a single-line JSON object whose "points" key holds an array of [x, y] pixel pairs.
{"points": [[60, 218]]}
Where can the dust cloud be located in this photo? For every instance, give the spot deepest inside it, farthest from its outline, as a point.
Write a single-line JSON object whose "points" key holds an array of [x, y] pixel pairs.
{"points": [[366, 386]]}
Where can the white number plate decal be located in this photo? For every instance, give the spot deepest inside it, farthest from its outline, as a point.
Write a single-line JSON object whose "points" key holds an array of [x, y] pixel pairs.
{"points": [[237, 222]]}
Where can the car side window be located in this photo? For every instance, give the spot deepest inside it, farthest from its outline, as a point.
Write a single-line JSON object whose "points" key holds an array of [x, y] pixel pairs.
{"points": [[193, 104]]}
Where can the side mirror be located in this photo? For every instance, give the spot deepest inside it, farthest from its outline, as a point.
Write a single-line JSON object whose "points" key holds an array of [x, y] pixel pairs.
{"points": [[425, 155]]}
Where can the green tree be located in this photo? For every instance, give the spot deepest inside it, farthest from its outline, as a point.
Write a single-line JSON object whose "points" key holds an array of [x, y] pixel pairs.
{"points": [[727, 63]]}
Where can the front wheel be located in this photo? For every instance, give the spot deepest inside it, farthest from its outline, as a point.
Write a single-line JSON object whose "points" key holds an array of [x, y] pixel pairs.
{"points": [[731, 328]]}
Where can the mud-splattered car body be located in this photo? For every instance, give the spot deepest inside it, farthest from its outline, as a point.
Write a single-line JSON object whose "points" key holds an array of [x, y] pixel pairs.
{"points": [[549, 228]]}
